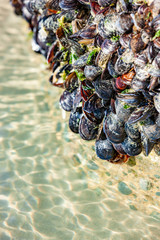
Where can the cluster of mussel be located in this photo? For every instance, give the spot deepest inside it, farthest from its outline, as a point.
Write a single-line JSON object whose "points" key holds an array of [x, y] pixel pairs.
{"points": [[105, 55]]}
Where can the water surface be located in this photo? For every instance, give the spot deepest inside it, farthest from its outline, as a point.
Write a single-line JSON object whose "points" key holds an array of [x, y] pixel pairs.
{"points": [[52, 186]]}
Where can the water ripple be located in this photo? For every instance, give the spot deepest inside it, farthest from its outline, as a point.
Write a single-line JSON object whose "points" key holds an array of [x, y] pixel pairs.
{"points": [[52, 186]]}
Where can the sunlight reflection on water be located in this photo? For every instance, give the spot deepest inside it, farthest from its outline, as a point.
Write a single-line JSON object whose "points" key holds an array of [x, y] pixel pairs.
{"points": [[52, 186]]}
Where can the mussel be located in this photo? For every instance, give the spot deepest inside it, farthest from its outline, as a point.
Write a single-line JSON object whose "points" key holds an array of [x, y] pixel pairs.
{"points": [[105, 56]]}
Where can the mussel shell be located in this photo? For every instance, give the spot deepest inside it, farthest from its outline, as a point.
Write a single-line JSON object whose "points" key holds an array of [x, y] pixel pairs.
{"points": [[107, 26], [132, 131], [125, 40], [105, 150], [89, 33], [157, 102], [93, 109], [132, 148], [128, 77], [27, 16], [111, 69], [132, 99], [105, 3], [75, 119], [137, 43], [141, 59], [122, 66], [122, 111], [36, 6], [91, 72], [157, 62], [141, 114], [118, 147], [103, 88], [60, 34], [93, 103], [153, 83], [76, 47], [81, 61], [71, 82], [84, 1], [85, 91], [35, 46], [124, 22], [53, 4], [55, 66], [87, 129], [154, 6], [152, 132], [102, 59], [122, 6], [157, 42], [109, 46], [67, 100], [69, 4], [66, 67], [114, 128], [156, 23], [138, 85], [158, 120], [147, 144]]}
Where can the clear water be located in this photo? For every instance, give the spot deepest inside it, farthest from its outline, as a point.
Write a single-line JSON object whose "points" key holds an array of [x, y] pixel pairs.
{"points": [[52, 186]]}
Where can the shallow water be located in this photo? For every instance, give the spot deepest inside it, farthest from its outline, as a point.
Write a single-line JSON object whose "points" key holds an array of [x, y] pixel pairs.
{"points": [[52, 186]]}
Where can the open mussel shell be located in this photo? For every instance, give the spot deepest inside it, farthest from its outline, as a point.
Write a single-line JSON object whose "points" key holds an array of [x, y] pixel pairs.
{"points": [[85, 90], [87, 129]]}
